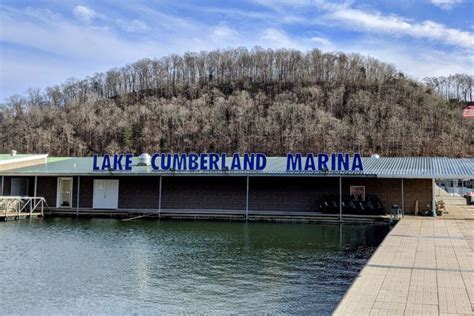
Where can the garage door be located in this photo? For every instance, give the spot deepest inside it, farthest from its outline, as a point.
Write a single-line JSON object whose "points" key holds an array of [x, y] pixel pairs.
{"points": [[105, 194]]}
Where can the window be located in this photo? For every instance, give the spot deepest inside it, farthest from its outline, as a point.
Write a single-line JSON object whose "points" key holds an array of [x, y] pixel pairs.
{"points": [[19, 187], [64, 196], [357, 192]]}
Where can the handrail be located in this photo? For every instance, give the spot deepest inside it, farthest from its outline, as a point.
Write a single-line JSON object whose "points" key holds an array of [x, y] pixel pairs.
{"points": [[25, 203], [395, 213]]}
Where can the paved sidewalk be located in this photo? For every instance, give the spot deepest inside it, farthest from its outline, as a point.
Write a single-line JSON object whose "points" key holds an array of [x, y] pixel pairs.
{"points": [[424, 266]]}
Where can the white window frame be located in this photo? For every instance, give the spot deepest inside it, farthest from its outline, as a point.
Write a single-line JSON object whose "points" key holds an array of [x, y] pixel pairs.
{"points": [[58, 192]]}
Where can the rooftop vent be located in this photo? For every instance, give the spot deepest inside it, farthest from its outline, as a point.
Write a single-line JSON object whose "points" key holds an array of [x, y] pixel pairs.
{"points": [[144, 160]]}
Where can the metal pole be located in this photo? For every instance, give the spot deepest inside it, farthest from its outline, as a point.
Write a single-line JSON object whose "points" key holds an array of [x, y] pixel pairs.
{"points": [[3, 181], [340, 199], [340, 235], [36, 185], [433, 202], [78, 194], [247, 201], [159, 197], [403, 198]]}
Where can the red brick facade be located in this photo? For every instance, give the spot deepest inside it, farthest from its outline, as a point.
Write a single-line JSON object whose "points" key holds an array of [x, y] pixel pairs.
{"points": [[229, 193]]}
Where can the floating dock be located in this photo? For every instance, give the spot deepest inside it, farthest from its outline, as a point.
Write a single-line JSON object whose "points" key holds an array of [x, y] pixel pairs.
{"points": [[15, 216], [425, 266], [229, 215]]}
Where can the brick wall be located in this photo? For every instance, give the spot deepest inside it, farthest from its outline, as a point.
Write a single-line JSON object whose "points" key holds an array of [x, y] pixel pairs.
{"points": [[47, 189], [134, 192], [48, 186], [266, 193], [86, 192], [139, 192], [284, 193], [418, 189], [204, 193], [389, 191]]}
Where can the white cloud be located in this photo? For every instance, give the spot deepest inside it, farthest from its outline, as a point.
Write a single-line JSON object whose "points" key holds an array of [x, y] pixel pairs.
{"points": [[21, 72], [282, 5], [223, 32], [134, 26], [84, 13], [446, 4], [377, 23], [372, 21], [417, 60], [59, 47], [61, 37], [322, 43], [278, 39]]}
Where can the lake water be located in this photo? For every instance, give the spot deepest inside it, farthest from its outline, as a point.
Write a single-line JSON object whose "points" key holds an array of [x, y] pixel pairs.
{"points": [[66, 265]]}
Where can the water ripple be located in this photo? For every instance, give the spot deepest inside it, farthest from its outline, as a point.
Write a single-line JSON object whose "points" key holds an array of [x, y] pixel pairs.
{"points": [[64, 266]]}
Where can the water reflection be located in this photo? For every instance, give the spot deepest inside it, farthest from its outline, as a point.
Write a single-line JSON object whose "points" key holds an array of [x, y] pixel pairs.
{"points": [[109, 266]]}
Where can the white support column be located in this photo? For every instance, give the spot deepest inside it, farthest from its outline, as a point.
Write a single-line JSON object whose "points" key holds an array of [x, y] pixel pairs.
{"points": [[78, 194], [433, 201], [159, 197], [34, 195], [403, 198], [340, 199], [247, 200]]}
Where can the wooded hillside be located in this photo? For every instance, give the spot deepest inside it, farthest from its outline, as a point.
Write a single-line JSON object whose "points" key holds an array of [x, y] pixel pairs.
{"points": [[242, 101]]}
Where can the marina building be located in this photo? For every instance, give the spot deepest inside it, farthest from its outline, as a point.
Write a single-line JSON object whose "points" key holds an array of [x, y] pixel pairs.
{"points": [[275, 188]]}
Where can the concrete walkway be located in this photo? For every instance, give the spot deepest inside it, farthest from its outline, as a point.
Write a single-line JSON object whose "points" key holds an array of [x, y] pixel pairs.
{"points": [[425, 266]]}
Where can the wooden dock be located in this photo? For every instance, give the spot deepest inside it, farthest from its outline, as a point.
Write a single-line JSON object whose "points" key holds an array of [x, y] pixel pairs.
{"points": [[219, 214], [425, 266]]}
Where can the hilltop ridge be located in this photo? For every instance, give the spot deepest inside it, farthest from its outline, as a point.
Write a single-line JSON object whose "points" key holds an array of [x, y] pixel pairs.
{"points": [[240, 100]]}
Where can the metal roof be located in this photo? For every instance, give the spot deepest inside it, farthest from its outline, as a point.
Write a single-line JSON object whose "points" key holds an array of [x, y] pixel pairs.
{"points": [[4, 157], [385, 167], [8, 158]]}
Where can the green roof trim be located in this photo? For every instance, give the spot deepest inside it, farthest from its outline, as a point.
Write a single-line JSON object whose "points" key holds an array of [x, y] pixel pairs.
{"points": [[56, 159]]}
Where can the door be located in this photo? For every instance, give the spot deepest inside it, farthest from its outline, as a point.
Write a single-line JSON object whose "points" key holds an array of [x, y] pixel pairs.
{"points": [[64, 196], [105, 194], [19, 187]]}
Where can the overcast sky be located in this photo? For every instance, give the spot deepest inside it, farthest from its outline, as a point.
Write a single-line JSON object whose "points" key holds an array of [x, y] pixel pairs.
{"points": [[46, 42]]}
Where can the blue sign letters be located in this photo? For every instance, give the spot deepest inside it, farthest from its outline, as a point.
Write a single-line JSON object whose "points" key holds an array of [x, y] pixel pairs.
{"points": [[324, 162], [117, 163], [247, 162]]}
